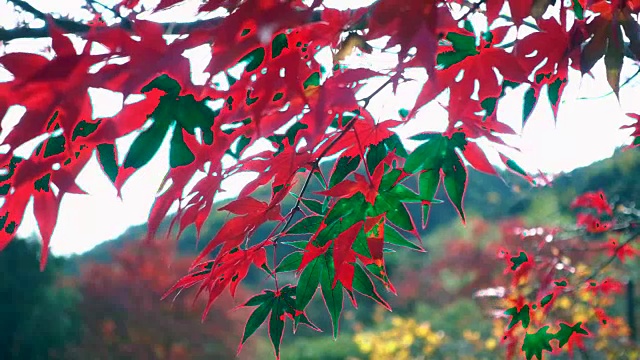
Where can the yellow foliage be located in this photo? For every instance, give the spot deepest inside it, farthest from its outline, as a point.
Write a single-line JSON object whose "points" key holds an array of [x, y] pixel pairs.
{"points": [[564, 303], [582, 270], [582, 313], [398, 341], [585, 295], [471, 336], [491, 344]]}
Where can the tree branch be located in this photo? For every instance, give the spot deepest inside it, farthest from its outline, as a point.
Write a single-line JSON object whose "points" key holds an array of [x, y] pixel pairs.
{"points": [[78, 28], [631, 238], [316, 163], [28, 8], [34, 33], [473, 7]]}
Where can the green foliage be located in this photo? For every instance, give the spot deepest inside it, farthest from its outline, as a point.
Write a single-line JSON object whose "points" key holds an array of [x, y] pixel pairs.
{"points": [[332, 295], [321, 347], [518, 316], [536, 343], [37, 318], [517, 261]]}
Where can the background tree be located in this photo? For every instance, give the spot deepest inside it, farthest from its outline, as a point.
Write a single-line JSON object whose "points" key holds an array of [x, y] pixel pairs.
{"points": [[123, 317], [31, 298]]}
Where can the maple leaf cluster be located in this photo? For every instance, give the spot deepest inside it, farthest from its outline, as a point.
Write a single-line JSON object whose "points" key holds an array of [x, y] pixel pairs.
{"points": [[546, 268], [551, 288], [308, 111]]}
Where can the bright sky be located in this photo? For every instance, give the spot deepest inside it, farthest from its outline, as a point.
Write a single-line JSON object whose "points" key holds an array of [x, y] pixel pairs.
{"points": [[587, 130]]}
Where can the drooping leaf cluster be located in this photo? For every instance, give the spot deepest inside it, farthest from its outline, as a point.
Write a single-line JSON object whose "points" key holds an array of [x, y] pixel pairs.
{"points": [[308, 111]]}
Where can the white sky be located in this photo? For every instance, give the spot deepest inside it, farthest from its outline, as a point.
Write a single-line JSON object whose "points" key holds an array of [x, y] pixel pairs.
{"points": [[586, 131]]}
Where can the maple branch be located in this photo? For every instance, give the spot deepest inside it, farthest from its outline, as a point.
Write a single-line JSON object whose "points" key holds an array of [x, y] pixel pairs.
{"points": [[473, 7], [93, 3], [27, 32], [316, 163], [631, 238], [28, 8], [78, 28], [525, 23], [366, 167], [296, 207], [626, 82], [373, 94]]}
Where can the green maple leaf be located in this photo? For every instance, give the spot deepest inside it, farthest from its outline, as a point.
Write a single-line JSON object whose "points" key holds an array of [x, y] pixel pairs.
{"points": [[436, 154], [564, 334], [534, 344], [517, 316], [519, 260]]}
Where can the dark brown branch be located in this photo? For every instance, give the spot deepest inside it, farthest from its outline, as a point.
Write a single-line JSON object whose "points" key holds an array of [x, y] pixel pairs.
{"points": [[77, 28], [473, 7], [28, 8], [93, 3], [33, 33]]}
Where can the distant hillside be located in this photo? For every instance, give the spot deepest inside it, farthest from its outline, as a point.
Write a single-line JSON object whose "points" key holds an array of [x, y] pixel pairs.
{"points": [[616, 176], [487, 196]]}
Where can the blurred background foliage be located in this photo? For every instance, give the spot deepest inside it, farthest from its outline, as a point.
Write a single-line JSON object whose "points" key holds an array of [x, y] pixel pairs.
{"points": [[105, 304]]}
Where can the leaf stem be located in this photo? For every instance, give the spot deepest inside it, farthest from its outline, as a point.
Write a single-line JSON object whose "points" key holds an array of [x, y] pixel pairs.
{"points": [[315, 165], [626, 82], [366, 167], [115, 13], [525, 23], [373, 94]]}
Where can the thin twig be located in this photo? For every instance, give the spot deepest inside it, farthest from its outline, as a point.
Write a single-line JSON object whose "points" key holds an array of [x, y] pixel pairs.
{"points": [[473, 7], [115, 12], [291, 214], [316, 164], [373, 94], [525, 23], [631, 238], [361, 150], [626, 82], [78, 28]]}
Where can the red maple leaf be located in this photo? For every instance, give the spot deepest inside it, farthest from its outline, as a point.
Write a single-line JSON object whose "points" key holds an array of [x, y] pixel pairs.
{"points": [[474, 70], [344, 257], [593, 200], [550, 62], [602, 316], [592, 224], [347, 188], [607, 286], [622, 252], [129, 4], [411, 24], [477, 158], [227, 270], [636, 129]]}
